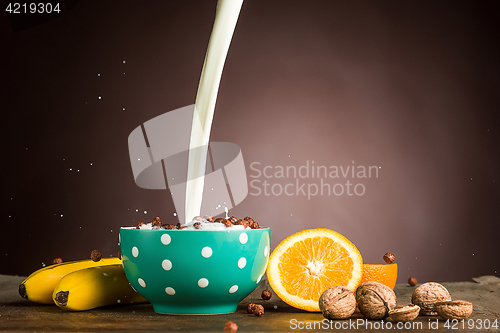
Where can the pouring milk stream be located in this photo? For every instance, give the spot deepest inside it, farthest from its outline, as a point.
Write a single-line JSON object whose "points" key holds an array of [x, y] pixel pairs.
{"points": [[222, 32]]}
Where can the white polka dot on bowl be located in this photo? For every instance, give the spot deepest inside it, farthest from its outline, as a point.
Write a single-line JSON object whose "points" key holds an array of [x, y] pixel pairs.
{"points": [[202, 283], [170, 291], [206, 252], [166, 239], [233, 289], [166, 264], [135, 251], [243, 238], [242, 262], [142, 283]]}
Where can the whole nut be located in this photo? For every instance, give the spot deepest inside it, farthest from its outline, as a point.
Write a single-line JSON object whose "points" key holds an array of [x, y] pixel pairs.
{"points": [[258, 310], [57, 261], [337, 303], [453, 309], [266, 294], [389, 258], [230, 327], [250, 307], [375, 299], [95, 255], [404, 313], [412, 281], [427, 294]]}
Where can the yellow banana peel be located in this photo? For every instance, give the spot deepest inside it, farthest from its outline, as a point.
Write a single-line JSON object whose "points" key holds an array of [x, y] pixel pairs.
{"points": [[39, 286], [94, 287]]}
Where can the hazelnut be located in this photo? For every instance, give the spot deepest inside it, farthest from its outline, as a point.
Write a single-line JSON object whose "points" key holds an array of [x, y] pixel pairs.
{"points": [[230, 327], [210, 219], [453, 309], [404, 313], [57, 261], [197, 225], [337, 302], [412, 281], [95, 255], [389, 258], [266, 294], [375, 299], [427, 294], [258, 310], [139, 225]]}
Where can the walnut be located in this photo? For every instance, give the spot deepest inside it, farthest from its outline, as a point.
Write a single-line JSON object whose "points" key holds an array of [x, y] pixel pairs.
{"points": [[404, 313], [453, 309], [375, 299], [337, 303], [427, 294]]}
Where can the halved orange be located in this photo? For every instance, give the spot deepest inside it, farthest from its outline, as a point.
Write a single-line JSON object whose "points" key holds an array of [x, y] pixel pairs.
{"points": [[385, 274], [307, 263]]}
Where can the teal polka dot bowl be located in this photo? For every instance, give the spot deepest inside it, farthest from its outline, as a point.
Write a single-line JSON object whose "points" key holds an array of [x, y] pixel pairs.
{"points": [[194, 271]]}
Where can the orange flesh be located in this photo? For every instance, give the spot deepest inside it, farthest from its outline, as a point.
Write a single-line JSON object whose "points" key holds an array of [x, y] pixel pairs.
{"points": [[385, 274], [312, 265]]}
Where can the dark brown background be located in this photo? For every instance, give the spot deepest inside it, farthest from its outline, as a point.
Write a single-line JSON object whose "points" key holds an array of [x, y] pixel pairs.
{"points": [[410, 86]]}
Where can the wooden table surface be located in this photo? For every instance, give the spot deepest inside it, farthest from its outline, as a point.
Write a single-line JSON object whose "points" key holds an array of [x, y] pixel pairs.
{"points": [[20, 315]]}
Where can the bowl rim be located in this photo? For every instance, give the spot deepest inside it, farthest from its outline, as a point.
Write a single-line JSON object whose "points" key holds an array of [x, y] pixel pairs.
{"points": [[199, 230]]}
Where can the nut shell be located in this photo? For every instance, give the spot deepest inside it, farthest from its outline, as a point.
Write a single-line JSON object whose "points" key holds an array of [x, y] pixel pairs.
{"points": [[404, 313], [427, 294], [375, 299], [337, 302], [453, 309]]}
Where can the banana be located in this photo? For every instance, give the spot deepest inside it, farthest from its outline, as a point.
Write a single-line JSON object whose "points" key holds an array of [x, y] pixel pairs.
{"points": [[39, 286], [94, 287]]}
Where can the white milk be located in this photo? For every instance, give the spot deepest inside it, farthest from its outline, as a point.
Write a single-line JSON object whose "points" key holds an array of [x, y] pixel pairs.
{"points": [[225, 22]]}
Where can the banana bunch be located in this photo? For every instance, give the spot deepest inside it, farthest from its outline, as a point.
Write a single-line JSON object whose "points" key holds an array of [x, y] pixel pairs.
{"points": [[85, 276], [94, 287]]}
